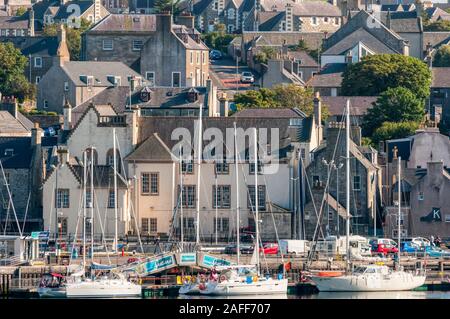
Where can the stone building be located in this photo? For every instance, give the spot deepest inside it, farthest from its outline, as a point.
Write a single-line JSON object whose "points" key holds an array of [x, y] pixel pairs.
{"points": [[425, 180], [14, 26], [166, 54], [365, 185], [23, 169], [439, 107], [78, 81]]}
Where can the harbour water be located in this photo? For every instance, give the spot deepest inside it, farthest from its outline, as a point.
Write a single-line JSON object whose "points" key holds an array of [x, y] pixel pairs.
{"points": [[339, 295]]}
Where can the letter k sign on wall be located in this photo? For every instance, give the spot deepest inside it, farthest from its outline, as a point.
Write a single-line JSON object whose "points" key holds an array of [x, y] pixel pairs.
{"points": [[434, 215]]}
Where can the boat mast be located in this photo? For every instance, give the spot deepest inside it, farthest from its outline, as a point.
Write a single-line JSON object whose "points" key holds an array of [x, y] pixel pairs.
{"points": [[181, 202], [199, 159], [256, 199], [399, 207], [238, 239], [92, 204], [84, 208], [347, 180], [115, 194]]}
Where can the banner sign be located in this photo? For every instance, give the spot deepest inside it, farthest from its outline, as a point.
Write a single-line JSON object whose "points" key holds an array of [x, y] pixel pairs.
{"points": [[41, 235], [210, 261], [156, 265], [187, 259]]}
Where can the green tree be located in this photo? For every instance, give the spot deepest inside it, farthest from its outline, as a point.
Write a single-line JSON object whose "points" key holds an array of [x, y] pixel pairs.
{"points": [[218, 39], [73, 36], [262, 98], [265, 54], [20, 11], [281, 96], [168, 5], [394, 105], [442, 56], [376, 73], [440, 25], [12, 79], [392, 130]]}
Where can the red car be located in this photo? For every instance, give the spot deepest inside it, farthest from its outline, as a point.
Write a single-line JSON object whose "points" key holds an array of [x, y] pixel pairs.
{"points": [[383, 246], [270, 249]]}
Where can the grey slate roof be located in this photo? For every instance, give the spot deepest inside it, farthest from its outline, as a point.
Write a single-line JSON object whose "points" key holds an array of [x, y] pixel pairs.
{"points": [[436, 39], [269, 21], [13, 22], [270, 113], [37, 45], [402, 22], [100, 70], [126, 22], [329, 76], [152, 148], [304, 57], [440, 77], [200, 6], [315, 8], [359, 104], [11, 125], [360, 35], [22, 153]]}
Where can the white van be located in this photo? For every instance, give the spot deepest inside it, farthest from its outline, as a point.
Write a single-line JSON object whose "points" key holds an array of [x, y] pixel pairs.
{"points": [[298, 247]]}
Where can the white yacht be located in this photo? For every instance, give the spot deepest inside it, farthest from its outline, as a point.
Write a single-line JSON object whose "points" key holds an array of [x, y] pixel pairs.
{"points": [[371, 277], [233, 282], [102, 287]]}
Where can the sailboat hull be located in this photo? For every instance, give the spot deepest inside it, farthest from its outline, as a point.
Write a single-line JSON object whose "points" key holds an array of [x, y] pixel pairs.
{"points": [[264, 287], [103, 289], [46, 292], [398, 281]]}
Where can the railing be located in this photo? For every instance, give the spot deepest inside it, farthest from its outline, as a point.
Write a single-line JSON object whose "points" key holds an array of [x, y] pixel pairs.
{"points": [[11, 261]]}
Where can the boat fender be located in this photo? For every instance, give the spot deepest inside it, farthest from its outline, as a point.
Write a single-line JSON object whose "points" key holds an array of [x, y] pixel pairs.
{"points": [[202, 286], [222, 278]]}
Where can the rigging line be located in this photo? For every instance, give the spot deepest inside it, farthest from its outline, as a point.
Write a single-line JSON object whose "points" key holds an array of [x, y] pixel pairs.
{"points": [[273, 220], [10, 198], [26, 212], [137, 227], [94, 198], [319, 221], [6, 219], [80, 204]]}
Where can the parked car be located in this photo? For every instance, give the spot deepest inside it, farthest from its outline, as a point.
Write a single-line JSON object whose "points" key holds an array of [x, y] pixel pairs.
{"points": [[421, 242], [247, 77], [383, 246], [408, 246], [215, 55], [436, 252], [246, 249], [270, 249]]}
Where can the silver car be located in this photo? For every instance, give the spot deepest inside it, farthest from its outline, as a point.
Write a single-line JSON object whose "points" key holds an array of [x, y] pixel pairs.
{"points": [[247, 77]]}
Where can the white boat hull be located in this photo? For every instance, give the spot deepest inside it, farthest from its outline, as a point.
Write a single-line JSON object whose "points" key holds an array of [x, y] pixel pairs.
{"points": [[189, 289], [45, 292], [398, 281], [103, 289], [260, 287]]}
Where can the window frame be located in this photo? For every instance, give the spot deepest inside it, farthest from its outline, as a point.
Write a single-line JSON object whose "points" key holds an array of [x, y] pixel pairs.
{"points": [[108, 48]]}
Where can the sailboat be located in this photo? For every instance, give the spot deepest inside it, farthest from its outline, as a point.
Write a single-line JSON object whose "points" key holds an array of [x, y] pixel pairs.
{"points": [[246, 280], [369, 277], [114, 285]]}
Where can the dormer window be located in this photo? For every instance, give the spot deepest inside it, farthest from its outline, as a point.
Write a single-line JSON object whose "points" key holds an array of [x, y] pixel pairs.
{"points": [[115, 80], [88, 79], [9, 152], [146, 94], [192, 95]]}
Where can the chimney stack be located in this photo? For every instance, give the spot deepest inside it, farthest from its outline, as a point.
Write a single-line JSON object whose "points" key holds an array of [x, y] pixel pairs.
{"points": [[36, 135], [10, 104], [67, 115], [318, 117], [187, 20], [62, 54], [31, 22]]}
